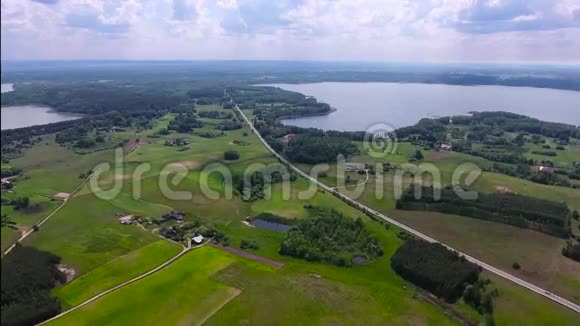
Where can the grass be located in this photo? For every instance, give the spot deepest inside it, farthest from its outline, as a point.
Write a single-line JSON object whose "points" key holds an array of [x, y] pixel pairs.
{"points": [[564, 158], [209, 277], [86, 234], [516, 305], [181, 294], [116, 272], [501, 246], [205, 284]]}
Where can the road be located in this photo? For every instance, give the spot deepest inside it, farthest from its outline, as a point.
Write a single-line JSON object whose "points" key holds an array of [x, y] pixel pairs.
{"points": [[497, 271]]}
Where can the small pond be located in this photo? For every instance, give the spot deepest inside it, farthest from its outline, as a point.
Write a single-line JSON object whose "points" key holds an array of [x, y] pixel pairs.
{"points": [[270, 225]]}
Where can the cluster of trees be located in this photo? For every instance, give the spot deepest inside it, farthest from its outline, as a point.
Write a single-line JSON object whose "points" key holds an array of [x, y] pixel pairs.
{"points": [[229, 125], [215, 114], [543, 177], [572, 250], [248, 96], [252, 188], [231, 155], [331, 237], [249, 244], [28, 276], [545, 153], [185, 122], [434, 268], [10, 172], [313, 150], [513, 122], [544, 215], [480, 296]]}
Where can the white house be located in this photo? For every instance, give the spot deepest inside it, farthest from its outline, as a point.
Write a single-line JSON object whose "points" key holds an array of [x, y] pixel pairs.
{"points": [[198, 239]]}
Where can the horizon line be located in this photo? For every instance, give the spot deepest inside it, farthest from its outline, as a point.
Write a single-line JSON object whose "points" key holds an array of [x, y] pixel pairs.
{"points": [[536, 63]]}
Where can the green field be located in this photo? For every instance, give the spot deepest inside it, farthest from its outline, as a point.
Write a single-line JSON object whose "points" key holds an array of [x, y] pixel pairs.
{"points": [[498, 244], [208, 278], [116, 271], [211, 285]]}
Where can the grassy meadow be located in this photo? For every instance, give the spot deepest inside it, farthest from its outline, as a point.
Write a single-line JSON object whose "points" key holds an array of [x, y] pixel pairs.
{"points": [[211, 286]]}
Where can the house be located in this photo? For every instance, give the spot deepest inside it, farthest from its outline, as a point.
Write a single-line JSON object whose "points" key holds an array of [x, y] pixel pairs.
{"points": [[288, 138], [173, 215], [353, 167], [117, 129], [177, 142], [541, 168], [168, 232], [445, 147], [126, 220], [7, 185], [198, 239]]}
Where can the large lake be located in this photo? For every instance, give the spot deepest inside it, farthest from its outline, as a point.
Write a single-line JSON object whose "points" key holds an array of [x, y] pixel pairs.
{"points": [[30, 115], [360, 105]]}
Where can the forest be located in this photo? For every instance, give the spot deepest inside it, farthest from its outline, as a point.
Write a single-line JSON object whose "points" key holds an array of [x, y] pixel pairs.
{"points": [[313, 150], [332, 238], [106, 105], [434, 268], [543, 215], [28, 276]]}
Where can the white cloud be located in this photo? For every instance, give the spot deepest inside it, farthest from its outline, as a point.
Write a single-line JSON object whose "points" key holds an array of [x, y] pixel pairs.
{"points": [[403, 30]]}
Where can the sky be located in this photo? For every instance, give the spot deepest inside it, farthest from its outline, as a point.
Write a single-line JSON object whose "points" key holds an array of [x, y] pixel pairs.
{"points": [[333, 30]]}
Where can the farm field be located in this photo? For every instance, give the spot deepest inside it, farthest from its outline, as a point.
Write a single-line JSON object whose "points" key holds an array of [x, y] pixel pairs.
{"points": [[502, 245], [165, 297], [216, 287], [495, 243], [212, 278], [116, 271]]}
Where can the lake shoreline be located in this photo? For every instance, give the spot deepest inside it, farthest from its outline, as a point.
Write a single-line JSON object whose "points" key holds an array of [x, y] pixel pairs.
{"points": [[44, 115], [356, 106]]}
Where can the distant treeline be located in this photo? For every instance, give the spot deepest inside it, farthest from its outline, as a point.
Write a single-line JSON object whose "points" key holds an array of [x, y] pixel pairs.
{"points": [[28, 277], [543, 215], [252, 72], [434, 268], [107, 105], [482, 126]]}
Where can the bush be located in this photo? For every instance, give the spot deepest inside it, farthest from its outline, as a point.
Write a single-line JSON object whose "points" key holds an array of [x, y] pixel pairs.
{"points": [[572, 251], [231, 155], [545, 153], [516, 266], [249, 244], [21, 202]]}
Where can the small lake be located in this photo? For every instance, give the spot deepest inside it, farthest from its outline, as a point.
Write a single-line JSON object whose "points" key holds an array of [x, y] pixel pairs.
{"points": [[31, 115], [279, 227], [360, 105]]}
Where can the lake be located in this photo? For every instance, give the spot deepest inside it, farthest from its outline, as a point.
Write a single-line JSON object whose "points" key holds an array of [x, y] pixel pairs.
{"points": [[360, 105], [32, 115]]}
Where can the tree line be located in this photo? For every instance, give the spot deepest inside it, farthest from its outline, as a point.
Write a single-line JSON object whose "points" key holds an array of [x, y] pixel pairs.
{"points": [[523, 211], [28, 277]]}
